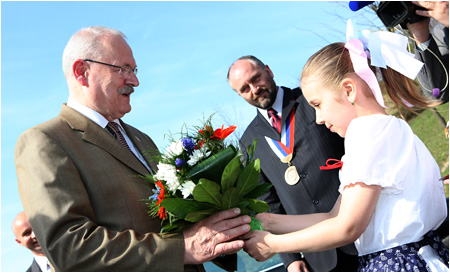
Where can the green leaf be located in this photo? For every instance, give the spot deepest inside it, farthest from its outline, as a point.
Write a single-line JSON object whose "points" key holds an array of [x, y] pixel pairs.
{"points": [[230, 199], [251, 151], [259, 190], [212, 167], [248, 180], [200, 215], [231, 173], [255, 224], [177, 225], [243, 204], [208, 191], [182, 207], [258, 206], [245, 211]]}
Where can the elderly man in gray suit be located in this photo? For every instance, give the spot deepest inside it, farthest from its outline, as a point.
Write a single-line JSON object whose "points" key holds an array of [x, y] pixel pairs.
{"points": [[78, 175]]}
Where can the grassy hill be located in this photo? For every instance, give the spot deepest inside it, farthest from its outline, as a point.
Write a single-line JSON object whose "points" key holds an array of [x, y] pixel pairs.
{"points": [[428, 129]]}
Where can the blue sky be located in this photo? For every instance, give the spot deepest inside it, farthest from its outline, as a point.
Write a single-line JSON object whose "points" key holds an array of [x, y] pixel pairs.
{"points": [[183, 51]]}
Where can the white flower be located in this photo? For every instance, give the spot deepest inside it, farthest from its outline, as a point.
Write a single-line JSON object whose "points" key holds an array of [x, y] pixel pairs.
{"points": [[176, 148], [168, 173], [173, 184], [165, 170], [197, 155], [187, 188]]}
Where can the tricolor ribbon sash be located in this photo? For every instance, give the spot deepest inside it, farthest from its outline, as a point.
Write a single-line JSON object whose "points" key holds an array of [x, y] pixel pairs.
{"points": [[285, 146]]}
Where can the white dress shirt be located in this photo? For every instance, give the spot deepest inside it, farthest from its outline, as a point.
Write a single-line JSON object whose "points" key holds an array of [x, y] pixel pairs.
{"points": [[42, 261], [277, 106]]}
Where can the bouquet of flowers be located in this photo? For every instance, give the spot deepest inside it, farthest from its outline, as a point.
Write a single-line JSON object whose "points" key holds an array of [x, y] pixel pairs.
{"points": [[199, 174]]}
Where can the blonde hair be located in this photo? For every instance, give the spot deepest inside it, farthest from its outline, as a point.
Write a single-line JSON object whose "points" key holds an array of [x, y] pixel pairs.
{"points": [[332, 64]]}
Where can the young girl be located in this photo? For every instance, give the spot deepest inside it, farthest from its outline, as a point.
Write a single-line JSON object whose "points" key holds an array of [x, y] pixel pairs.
{"points": [[391, 198]]}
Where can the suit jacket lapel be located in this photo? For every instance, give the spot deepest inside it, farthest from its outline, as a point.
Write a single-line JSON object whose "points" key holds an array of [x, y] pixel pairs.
{"points": [[142, 147], [288, 103], [100, 137], [264, 128], [35, 267]]}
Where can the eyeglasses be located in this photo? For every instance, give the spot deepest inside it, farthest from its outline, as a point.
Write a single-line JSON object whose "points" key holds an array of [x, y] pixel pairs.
{"points": [[125, 70]]}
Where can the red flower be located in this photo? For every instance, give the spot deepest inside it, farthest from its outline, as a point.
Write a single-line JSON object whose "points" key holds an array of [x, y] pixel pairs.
{"points": [[223, 133], [207, 129], [162, 195], [162, 213], [199, 145]]}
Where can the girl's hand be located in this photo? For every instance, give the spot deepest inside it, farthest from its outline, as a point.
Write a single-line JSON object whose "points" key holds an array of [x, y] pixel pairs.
{"points": [[258, 245], [265, 219]]}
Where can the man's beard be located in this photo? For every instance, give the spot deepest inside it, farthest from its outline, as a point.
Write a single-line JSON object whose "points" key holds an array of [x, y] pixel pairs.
{"points": [[127, 90], [271, 91]]}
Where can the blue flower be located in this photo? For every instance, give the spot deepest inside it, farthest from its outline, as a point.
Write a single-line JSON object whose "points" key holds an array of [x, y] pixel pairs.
{"points": [[188, 144], [180, 162], [155, 194]]}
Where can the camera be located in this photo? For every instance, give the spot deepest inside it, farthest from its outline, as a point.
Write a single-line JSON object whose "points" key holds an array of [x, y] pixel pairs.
{"points": [[392, 13]]}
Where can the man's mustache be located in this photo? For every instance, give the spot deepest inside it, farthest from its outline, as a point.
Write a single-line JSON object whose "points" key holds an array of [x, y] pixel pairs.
{"points": [[127, 90]]}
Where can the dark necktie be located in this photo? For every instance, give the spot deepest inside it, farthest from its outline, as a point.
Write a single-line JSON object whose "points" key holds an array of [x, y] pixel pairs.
{"points": [[276, 120], [113, 128]]}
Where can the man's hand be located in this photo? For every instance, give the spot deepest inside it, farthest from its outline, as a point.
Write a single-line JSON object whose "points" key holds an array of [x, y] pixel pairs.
{"points": [[212, 236], [420, 30], [298, 266], [435, 9]]}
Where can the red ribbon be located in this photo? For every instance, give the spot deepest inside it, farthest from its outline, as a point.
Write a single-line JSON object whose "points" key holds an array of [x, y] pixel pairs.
{"points": [[337, 164]]}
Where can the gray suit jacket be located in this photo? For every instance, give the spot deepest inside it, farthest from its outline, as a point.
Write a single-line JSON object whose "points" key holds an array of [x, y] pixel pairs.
{"points": [[432, 74], [80, 189], [317, 190], [34, 267]]}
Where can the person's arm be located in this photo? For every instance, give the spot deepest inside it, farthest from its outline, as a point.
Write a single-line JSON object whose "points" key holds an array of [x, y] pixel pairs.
{"points": [[65, 215], [345, 224], [282, 223], [61, 213]]}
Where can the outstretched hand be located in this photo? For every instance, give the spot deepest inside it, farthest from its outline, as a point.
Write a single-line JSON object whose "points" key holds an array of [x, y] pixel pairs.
{"points": [[257, 245], [214, 236]]}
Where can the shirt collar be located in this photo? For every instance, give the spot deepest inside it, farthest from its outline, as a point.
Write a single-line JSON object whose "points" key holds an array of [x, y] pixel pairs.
{"points": [[42, 261], [89, 113], [277, 105]]}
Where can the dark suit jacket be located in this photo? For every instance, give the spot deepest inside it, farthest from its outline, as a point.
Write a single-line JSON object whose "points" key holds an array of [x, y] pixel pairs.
{"points": [[317, 190], [34, 267], [432, 74], [80, 189]]}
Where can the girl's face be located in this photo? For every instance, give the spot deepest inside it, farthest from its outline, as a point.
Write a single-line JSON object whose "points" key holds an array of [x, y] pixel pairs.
{"points": [[333, 108]]}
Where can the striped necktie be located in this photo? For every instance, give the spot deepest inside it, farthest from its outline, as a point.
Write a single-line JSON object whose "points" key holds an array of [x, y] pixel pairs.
{"points": [[113, 128], [276, 120]]}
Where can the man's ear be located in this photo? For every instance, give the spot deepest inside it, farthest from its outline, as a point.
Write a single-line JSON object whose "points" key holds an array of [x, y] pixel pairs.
{"points": [[18, 241], [349, 87], [79, 70]]}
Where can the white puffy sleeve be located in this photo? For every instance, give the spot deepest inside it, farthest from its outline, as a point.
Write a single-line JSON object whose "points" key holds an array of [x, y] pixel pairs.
{"points": [[378, 150]]}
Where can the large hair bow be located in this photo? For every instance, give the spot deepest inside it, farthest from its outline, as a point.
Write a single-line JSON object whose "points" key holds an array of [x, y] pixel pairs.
{"points": [[386, 49]]}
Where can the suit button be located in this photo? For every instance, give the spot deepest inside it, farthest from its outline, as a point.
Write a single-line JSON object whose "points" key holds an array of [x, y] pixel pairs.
{"points": [[315, 202], [302, 176]]}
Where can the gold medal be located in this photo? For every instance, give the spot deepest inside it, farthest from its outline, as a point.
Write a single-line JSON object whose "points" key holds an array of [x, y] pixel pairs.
{"points": [[291, 176]]}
